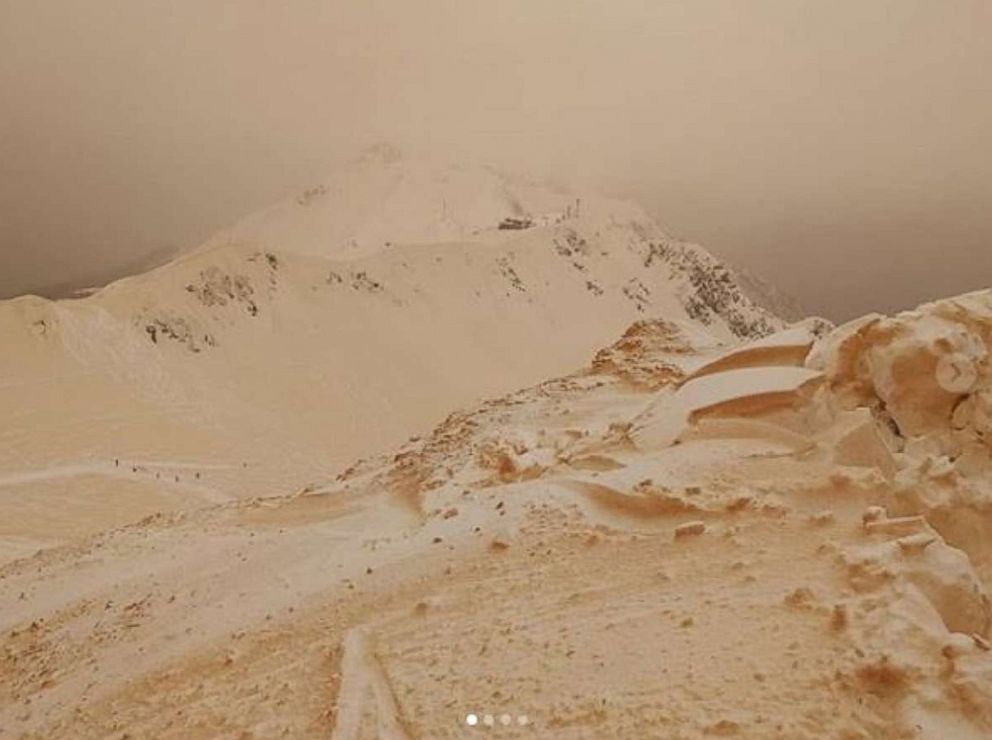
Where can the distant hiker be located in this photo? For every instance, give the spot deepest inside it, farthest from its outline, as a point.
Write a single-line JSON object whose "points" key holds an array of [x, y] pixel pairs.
{"points": [[117, 463]]}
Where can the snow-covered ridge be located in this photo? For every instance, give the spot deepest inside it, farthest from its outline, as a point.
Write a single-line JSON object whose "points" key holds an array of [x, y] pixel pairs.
{"points": [[384, 199], [347, 318]]}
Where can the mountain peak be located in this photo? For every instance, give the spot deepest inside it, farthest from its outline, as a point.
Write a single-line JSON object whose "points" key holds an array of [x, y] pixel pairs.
{"points": [[385, 198]]}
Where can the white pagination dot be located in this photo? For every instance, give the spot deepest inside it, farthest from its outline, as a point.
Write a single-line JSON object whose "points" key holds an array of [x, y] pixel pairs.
{"points": [[505, 719], [522, 719], [489, 720], [472, 720]]}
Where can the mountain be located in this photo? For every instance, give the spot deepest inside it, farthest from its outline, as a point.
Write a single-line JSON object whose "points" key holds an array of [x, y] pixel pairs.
{"points": [[768, 296], [91, 281], [331, 326], [787, 536]]}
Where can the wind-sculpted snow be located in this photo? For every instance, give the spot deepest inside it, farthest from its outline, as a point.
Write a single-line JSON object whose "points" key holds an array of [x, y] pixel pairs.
{"points": [[253, 492], [805, 555], [331, 326]]}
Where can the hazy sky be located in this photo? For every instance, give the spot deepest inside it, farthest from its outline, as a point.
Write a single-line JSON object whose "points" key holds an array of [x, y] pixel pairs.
{"points": [[840, 148]]}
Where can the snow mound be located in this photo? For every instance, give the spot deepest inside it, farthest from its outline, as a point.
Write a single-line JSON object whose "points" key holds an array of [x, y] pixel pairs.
{"points": [[925, 373], [787, 347], [747, 391]]}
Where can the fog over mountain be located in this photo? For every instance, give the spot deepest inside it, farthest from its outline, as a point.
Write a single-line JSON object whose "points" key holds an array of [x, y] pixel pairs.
{"points": [[425, 447], [341, 320], [841, 151], [446, 369]]}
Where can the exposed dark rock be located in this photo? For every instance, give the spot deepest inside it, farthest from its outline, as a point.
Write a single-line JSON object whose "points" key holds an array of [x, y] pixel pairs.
{"points": [[515, 223], [507, 271], [637, 293], [311, 194], [713, 289], [361, 281], [217, 288]]}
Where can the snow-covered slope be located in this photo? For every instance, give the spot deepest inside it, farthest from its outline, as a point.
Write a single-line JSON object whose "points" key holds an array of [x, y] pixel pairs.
{"points": [[806, 552], [329, 327], [385, 199]]}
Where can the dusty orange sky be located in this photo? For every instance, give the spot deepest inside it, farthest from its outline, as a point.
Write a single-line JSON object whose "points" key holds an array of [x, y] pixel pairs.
{"points": [[843, 150]]}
